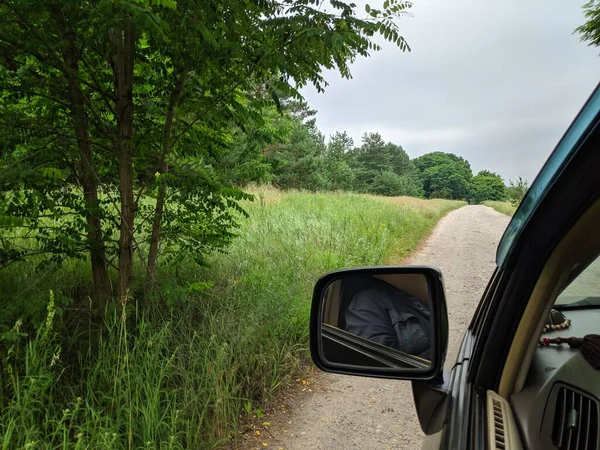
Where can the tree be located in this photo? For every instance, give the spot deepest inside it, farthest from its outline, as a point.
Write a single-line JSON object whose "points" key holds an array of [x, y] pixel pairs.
{"points": [[399, 159], [444, 175], [339, 145], [375, 156], [487, 185], [446, 181], [298, 163], [129, 99], [415, 181], [590, 31], [245, 160], [389, 183], [427, 160], [339, 174], [517, 189]]}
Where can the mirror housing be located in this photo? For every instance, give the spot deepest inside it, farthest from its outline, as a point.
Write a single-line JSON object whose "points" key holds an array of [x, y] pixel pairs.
{"points": [[359, 356]]}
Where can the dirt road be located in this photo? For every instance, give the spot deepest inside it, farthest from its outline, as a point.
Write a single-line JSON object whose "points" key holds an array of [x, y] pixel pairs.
{"points": [[343, 412]]}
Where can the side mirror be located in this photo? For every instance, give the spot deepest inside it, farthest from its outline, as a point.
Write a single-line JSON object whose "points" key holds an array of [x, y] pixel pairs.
{"points": [[388, 322]]}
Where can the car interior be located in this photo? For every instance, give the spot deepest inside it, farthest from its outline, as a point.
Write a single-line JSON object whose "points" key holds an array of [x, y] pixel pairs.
{"points": [[549, 395]]}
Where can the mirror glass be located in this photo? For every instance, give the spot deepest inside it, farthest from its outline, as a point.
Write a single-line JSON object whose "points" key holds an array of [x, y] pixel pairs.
{"points": [[381, 321]]}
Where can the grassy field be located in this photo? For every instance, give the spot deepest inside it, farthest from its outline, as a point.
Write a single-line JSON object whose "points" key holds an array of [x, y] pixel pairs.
{"points": [[502, 207], [184, 376]]}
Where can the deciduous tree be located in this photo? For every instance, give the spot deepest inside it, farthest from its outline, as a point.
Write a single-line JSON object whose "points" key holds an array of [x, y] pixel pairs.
{"points": [[517, 189], [445, 175], [105, 103], [487, 185], [590, 30]]}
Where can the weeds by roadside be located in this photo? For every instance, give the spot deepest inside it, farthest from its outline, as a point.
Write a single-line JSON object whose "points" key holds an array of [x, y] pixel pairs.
{"points": [[213, 342], [507, 208]]}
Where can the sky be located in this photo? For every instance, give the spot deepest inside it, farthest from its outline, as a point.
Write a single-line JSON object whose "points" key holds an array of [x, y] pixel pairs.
{"points": [[496, 82]]}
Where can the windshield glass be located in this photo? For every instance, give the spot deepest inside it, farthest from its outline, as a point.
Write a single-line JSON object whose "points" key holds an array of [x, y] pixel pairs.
{"points": [[566, 148], [584, 289]]}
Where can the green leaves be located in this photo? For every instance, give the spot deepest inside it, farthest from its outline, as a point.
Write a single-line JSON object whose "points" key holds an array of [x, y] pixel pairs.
{"points": [[12, 221], [389, 30], [445, 175], [172, 4], [52, 173], [517, 189], [486, 186], [215, 98], [382, 168], [590, 30]]}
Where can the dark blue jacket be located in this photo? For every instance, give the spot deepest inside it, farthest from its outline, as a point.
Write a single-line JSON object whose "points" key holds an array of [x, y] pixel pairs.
{"points": [[391, 317]]}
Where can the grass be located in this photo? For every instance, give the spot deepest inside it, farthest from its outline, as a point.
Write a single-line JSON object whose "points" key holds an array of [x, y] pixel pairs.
{"points": [[185, 376], [502, 207]]}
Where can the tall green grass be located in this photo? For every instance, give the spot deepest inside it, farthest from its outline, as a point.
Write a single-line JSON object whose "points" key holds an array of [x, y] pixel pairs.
{"points": [[502, 207], [182, 376]]}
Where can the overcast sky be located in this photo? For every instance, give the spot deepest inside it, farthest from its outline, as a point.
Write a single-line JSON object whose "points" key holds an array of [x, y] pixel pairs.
{"points": [[497, 82]]}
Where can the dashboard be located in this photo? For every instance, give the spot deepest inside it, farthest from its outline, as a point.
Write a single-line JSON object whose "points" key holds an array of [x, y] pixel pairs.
{"points": [[558, 407]]}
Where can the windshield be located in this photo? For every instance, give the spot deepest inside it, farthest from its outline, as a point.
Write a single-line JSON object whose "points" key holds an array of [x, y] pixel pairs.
{"points": [[566, 149], [584, 289]]}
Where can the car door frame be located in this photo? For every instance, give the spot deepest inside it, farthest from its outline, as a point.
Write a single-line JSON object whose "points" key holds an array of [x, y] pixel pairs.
{"points": [[575, 188], [488, 338]]}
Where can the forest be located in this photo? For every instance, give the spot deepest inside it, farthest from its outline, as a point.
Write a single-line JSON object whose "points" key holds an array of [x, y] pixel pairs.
{"points": [[287, 150]]}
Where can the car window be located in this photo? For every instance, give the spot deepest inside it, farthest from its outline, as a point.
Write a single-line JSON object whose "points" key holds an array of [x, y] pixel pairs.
{"points": [[564, 151], [584, 289]]}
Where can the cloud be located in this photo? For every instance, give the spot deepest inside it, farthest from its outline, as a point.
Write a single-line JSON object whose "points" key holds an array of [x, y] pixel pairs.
{"points": [[496, 82]]}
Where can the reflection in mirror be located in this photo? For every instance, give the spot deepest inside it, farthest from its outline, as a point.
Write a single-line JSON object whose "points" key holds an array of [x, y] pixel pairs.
{"points": [[379, 321]]}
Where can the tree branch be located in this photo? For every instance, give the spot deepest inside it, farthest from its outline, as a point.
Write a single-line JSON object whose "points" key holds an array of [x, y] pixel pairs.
{"points": [[107, 96], [51, 133], [98, 119], [43, 40], [37, 94], [41, 58]]}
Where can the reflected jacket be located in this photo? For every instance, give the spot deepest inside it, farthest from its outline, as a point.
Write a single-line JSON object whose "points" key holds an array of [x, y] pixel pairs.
{"points": [[391, 317]]}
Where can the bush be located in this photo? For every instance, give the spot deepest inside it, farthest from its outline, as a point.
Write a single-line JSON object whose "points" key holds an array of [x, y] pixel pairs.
{"points": [[443, 193], [502, 207], [517, 189], [389, 184]]}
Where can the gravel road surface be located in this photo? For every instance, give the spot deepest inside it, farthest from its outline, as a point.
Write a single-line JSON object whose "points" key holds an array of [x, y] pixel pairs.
{"points": [[344, 412]]}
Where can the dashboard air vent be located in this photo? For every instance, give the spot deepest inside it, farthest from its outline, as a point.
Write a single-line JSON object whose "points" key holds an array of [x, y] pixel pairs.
{"points": [[499, 436], [575, 421], [502, 429]]}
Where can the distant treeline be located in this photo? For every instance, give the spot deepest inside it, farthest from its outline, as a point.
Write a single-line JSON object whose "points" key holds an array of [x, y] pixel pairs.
{"points": [[287, 149]]}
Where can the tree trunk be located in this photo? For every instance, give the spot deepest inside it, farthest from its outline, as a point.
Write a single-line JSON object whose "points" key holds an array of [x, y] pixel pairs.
{"points": [[160, 199], [101, 287], [123, 42]]}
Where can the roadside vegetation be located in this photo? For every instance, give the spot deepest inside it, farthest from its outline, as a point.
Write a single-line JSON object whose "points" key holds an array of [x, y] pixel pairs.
{"points": [[507, 208], [234, 331], [514, 194], [120, 126]]}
